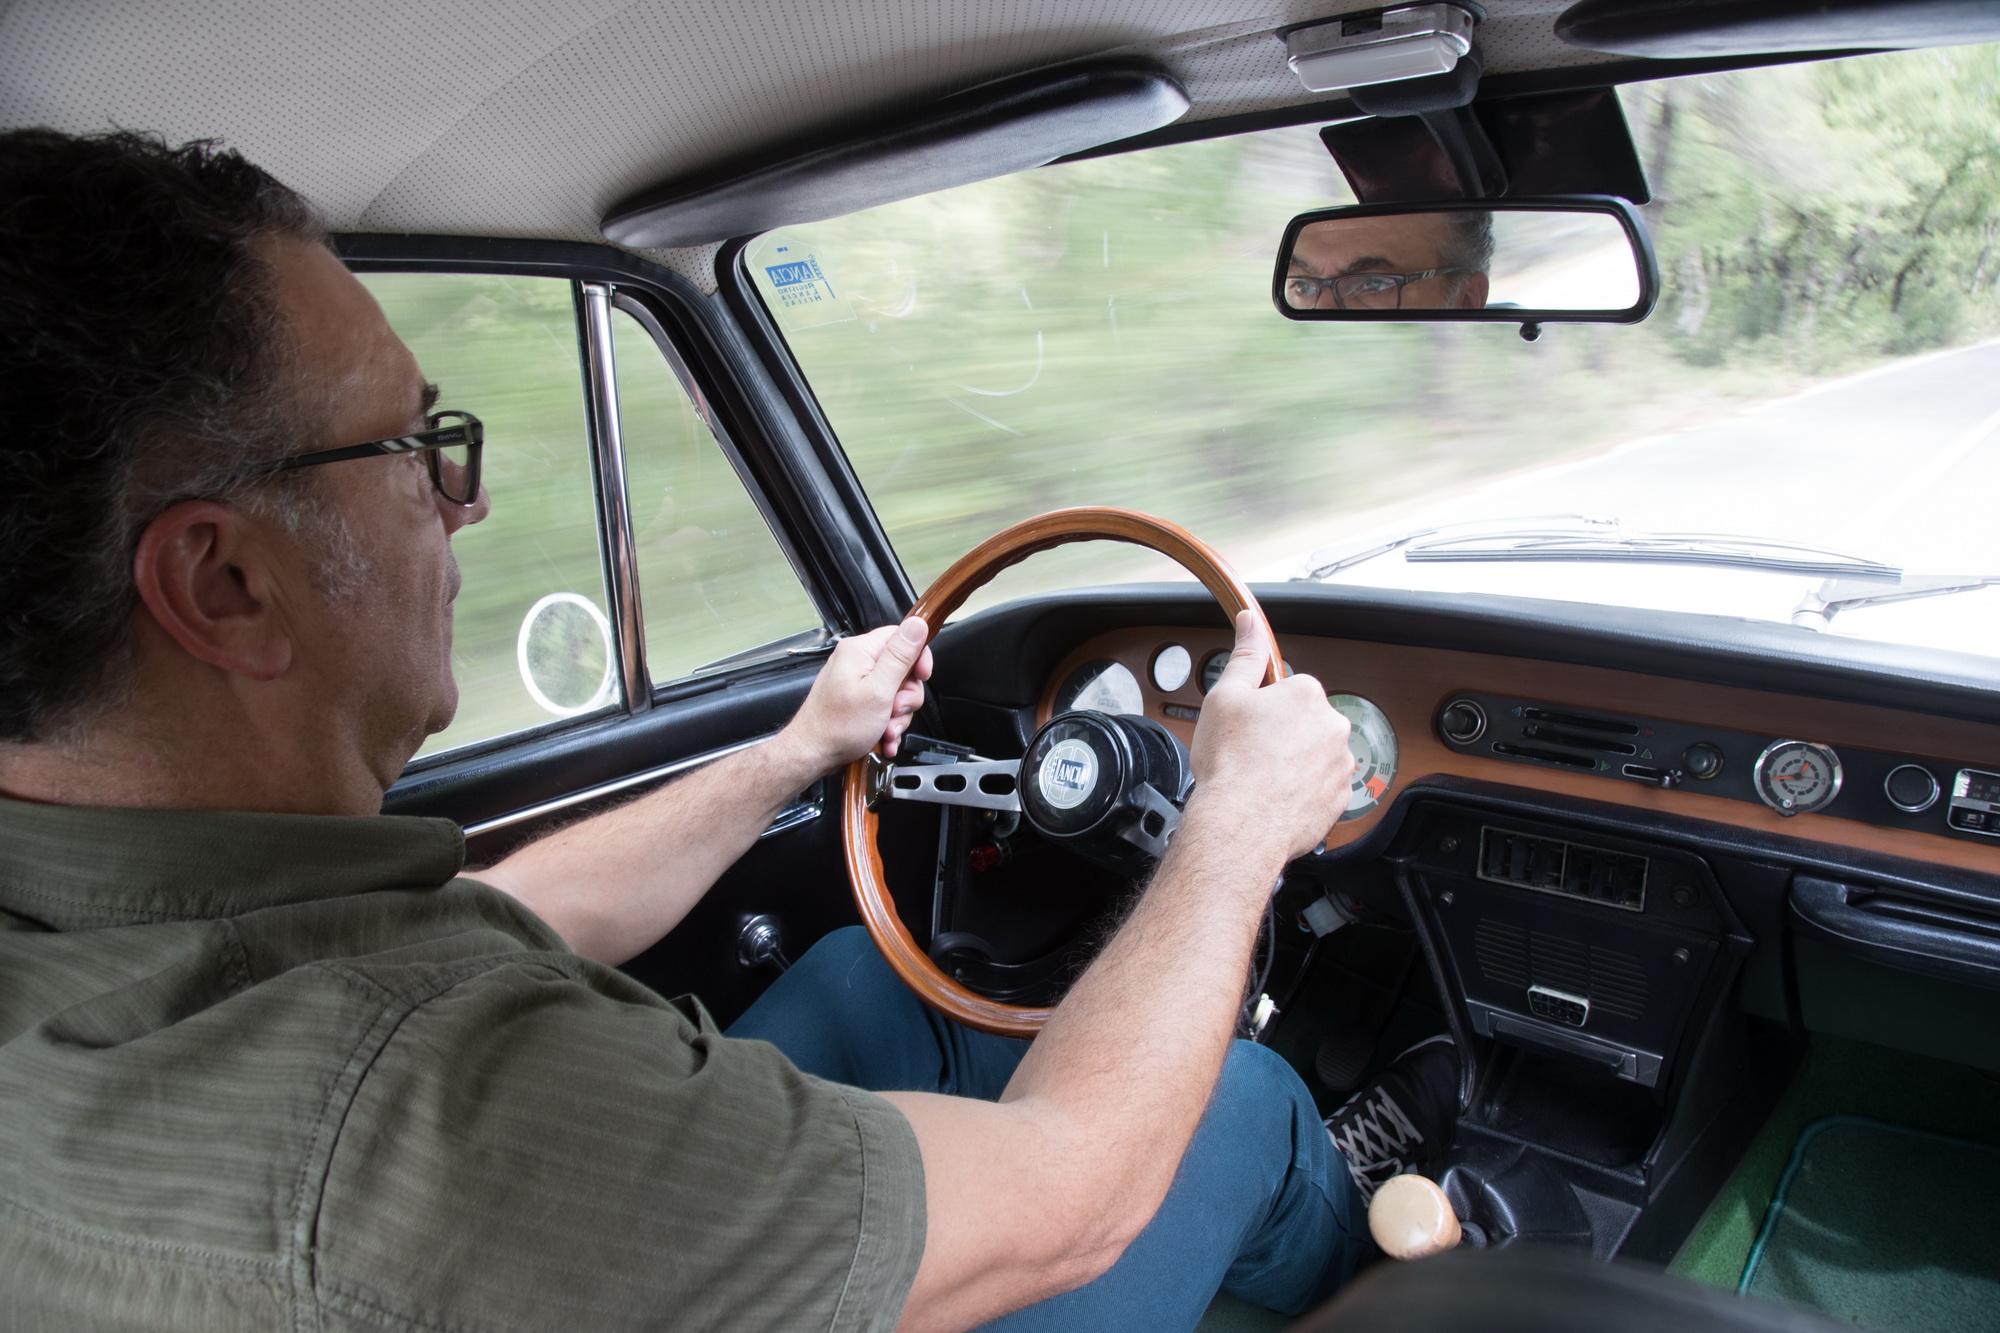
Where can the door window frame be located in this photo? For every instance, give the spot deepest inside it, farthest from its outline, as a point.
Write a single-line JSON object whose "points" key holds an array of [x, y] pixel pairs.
{"points": [[807, 513]]}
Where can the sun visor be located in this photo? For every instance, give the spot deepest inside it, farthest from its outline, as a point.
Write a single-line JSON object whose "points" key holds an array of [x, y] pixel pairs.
{"points": [[1556, 143], [1678, 29], [1006, 126]]}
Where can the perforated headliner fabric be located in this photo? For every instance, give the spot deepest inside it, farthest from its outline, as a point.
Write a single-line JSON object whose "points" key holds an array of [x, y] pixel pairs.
{"points": [[531, 117]]}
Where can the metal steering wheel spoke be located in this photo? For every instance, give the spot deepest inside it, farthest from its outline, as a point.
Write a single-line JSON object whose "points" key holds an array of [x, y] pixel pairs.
{"points": [[982, 784]]}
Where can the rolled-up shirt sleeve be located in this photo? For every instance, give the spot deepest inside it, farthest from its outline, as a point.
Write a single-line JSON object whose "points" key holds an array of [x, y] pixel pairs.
{"points": [[526, 1151]]}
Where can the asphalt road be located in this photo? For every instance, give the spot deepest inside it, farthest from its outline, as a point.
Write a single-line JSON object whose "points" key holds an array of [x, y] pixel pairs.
{"points": [[1900, 464]]}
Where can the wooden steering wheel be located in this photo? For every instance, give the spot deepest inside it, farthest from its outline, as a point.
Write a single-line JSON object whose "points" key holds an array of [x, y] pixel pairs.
{"points": [[971, 572]]}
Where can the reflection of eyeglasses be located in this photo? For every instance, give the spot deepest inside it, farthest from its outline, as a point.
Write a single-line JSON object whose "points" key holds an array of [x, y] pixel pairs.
{"points": [[451, 451], [1357, 291]]}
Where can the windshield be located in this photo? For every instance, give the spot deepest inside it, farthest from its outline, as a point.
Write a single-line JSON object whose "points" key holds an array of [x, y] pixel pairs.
{"points": [[1818, 375]]}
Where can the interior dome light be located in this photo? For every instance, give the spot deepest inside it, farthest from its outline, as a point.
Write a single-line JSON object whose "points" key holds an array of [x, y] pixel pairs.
{"points": [[1380, 46]]}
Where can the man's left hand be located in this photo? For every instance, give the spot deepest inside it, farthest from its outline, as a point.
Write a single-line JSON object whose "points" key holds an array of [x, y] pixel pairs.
{"points": [[867, 692]]}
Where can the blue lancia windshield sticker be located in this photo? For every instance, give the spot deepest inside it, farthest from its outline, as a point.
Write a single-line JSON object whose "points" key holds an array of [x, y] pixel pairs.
{"points": [[798, 286]]}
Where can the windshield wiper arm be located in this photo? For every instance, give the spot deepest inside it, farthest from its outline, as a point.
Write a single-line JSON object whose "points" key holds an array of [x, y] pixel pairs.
{"points": [[1663, 548], [1832, 597]]}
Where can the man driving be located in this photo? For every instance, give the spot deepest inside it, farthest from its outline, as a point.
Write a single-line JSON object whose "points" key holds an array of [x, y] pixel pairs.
{"points": [[1406, 261], [270, 1058]]}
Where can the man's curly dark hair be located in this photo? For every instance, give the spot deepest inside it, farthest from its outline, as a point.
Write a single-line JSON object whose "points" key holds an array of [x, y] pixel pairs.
{"points": [[142, 362]]}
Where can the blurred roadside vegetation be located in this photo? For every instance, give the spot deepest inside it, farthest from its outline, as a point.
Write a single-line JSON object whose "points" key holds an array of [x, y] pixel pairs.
{"points": [[1101, 332], [713, 579], [1821, 214]]}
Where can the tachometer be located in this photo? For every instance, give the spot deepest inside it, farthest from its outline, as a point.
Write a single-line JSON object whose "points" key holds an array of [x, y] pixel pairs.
{"points": [[1796, 777], [1104, 686], [1373, 741]]}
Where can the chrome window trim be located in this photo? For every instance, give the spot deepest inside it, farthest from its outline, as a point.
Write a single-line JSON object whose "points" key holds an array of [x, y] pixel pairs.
{"points": [[615, 539], [612, 788]]}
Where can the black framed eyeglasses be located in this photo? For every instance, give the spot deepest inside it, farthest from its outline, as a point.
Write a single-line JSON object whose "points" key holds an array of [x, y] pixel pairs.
{"points": [[450, 443], [1357, 291]]}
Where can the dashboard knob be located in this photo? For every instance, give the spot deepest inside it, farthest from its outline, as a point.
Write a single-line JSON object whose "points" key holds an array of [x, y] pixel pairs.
{"points": [[1462, 722], [1911, 789], [1701, 760]]}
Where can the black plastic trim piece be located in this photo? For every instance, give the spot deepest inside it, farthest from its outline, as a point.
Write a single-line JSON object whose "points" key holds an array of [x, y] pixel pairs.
{"points": [[992, 130], [1525, 83]]}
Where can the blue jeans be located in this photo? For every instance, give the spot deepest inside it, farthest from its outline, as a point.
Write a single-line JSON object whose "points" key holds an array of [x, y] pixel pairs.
{"points": [[1261, 1207]]}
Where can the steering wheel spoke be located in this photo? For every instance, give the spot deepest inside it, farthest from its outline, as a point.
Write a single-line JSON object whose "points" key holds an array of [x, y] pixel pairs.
{"points": [[982, 784]]}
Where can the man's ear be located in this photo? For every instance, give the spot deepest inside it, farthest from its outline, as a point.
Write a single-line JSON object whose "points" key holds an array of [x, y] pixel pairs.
{"points": [[1472, 295], [208, 576]]}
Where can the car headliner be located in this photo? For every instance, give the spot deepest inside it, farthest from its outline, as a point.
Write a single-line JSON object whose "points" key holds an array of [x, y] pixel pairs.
{"points": [[529, 118]]}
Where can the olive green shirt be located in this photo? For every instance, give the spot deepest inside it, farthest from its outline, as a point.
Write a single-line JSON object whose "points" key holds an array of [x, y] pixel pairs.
{"points": [[283, 1072]]}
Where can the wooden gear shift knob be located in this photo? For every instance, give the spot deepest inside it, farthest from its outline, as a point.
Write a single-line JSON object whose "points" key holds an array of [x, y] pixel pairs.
{"points": [[1411, 1218]]}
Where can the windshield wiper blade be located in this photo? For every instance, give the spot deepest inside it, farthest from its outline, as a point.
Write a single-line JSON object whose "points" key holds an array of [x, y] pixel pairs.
{"points": [[1832, 597], [1346, 557], [1662, 548]]}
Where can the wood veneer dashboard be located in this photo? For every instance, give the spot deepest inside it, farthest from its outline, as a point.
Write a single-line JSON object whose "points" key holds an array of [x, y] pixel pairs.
{"points": [[1410, 685]]}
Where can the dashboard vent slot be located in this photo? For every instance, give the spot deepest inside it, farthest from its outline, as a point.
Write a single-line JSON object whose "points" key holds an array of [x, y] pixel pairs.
{"points": [[1511, 956], [1578, 722], [1546, 756], [1558, 963], [1548, 865], [1617, 982], [1502, 950], [1542, 731]]}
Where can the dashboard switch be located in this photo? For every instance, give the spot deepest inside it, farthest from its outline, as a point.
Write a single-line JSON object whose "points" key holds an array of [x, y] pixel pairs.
{"points": [[1701, 761], [1462, 722], [1911, 789]]}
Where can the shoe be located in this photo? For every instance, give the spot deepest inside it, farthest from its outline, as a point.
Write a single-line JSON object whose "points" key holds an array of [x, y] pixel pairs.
{"points": [[1407, 1116]]}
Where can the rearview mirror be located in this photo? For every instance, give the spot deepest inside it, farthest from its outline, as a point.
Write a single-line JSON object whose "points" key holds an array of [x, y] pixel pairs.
{"points": [[1574, 258]]}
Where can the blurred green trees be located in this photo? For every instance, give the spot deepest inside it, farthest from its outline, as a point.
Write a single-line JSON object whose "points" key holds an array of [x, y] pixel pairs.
{"points": [[1816, 212]]}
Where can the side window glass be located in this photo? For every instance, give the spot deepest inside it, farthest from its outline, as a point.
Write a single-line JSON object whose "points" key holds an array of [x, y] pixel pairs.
{"points": [[505, 348], [713, 581]]}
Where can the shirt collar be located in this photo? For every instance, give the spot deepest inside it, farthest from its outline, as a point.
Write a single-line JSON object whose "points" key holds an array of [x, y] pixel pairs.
{"points": [[78, 868]]}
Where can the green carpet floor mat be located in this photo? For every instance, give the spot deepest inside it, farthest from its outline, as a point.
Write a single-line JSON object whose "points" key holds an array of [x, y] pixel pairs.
{"points": [[1891, 1228]]}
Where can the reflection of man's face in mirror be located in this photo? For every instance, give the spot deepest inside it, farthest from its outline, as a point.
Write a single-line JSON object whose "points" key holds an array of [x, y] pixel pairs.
{"points": [[1418, 261]]}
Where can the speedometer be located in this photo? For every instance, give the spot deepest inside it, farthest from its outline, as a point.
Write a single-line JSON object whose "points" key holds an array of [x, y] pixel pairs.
{"points": [[1796, 777], [1373, 742]]}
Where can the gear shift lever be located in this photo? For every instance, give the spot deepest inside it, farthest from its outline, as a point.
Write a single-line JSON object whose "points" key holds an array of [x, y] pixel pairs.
{"points": [[1410, 1218]]}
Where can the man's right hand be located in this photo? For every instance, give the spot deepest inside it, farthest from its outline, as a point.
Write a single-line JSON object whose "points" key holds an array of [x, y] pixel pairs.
{"points": [[1273, 759]]}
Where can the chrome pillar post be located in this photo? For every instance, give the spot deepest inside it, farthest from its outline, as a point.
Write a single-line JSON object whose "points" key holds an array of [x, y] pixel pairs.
{"points": [[621, 555]]}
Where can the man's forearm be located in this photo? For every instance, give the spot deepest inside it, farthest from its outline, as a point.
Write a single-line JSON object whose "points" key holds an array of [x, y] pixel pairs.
{"points": [[1092, 1126], [612, 885]]}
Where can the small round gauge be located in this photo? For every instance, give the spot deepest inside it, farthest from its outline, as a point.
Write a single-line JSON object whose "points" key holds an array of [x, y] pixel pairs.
{"points": [[1213, 664], [1171, 668], [1211, 668], [1103, 687], [1373, 741], [1797, 776]]}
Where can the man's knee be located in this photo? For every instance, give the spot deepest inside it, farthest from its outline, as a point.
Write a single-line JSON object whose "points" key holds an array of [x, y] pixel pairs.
{"points": [[1257, 1081], [845, 970]]}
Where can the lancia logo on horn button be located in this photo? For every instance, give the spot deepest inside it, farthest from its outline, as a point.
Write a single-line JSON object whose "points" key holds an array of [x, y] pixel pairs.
{"points": [[1068, 774]]}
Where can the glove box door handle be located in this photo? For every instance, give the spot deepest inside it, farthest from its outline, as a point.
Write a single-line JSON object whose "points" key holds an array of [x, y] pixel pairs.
{"points": [[1917, 935]]}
